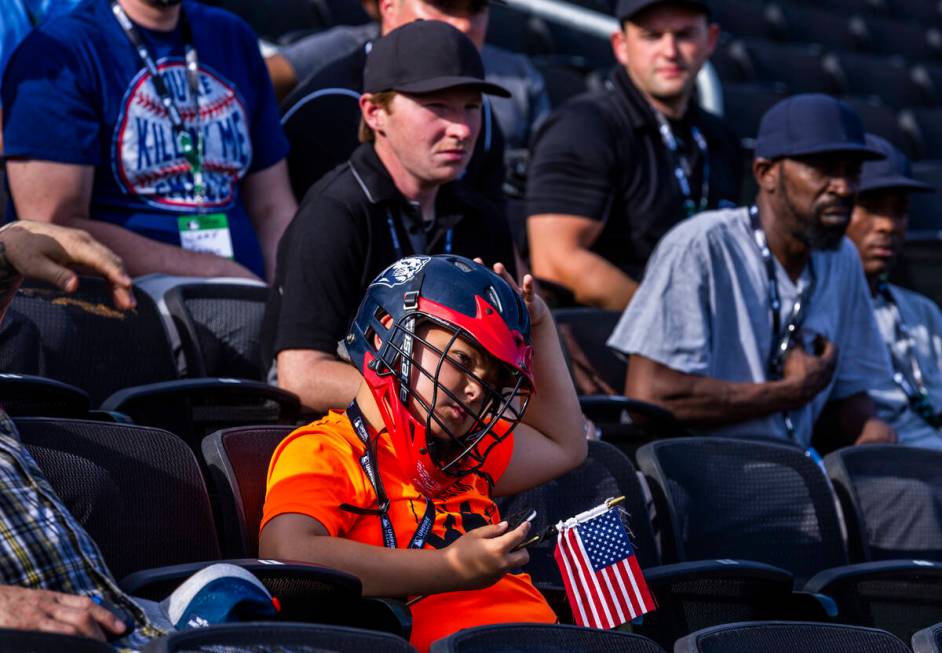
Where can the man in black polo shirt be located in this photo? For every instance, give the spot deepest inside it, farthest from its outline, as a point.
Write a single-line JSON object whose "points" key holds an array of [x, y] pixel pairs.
{"points": [[612, 171], [396, 196], [320, 116]]}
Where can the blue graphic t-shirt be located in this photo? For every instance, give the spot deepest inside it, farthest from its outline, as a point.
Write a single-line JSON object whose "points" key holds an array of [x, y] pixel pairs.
{"points": [[75, 91]]}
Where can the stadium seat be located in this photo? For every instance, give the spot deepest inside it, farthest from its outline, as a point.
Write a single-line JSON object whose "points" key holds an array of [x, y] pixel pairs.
{"points": [[920, 267], [270, 637], [606, 473], [892, 500], [138, 491], [789, 636], [565, 77], [237, 460], [915, 41], [24, 395], [927, 126], [542, 638], [31, 641], [588, 330], [219, 326], [741, 499], [880, 120], [513, 29], [599, 375], [928, 640], [797, 65], [596, 51], [125, 363], [275, 18], [745, 104], [747, 18], [888, 78], [925, 209], [927, 12], [140, 495], [817, 24], [899, 596], [690, 595]]}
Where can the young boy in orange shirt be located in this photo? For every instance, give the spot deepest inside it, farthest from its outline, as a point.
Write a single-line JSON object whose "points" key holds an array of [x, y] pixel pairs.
{"points": [[465, 396]]}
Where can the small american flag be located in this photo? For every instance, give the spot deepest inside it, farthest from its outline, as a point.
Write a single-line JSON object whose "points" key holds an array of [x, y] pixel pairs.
{"points": [[603, 581]]}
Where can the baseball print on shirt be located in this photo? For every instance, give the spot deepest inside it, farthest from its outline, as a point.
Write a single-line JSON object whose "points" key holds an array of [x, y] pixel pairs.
{"points": [[147, 158]]}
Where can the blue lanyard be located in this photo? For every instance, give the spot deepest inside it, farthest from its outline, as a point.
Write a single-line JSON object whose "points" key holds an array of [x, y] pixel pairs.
{"points": [[782, 339], [683, 169], [368, 463], [397, 246]]}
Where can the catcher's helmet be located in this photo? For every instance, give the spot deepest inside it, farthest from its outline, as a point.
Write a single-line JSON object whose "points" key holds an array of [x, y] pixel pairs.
{"points": [[474, 304]]}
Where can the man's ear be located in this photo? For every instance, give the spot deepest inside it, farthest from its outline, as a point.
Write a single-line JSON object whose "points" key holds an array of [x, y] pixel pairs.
{"points": [[619, 45], [374, 115], [766, 173], [387, 14]]}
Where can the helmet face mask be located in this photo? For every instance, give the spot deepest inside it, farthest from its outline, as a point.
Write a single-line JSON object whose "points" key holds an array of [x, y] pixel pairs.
{"points": [[422, 322], [459, 432]]}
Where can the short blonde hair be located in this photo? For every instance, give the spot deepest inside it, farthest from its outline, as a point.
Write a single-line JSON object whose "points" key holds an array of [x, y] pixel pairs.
{"points": [[383, 99]]}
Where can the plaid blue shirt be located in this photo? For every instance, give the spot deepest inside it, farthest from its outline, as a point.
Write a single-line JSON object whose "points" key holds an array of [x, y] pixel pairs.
{"points": [[42, 546]]}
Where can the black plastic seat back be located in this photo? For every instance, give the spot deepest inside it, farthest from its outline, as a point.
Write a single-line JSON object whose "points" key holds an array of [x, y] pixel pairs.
{"points": [[137, 491], [886, 77], [22, 395], [89, 344], [542, 638], [606, 473], [892, 498], [879, 119], [920, 267], [238, 466], [270, 637], [588, 329], [818, 24], [774, 636], [745, 104], [928, 640], [899, 596], [747, 500], [925, 209], [220, 326], [31, 641], [803, 72], [695, 595]]}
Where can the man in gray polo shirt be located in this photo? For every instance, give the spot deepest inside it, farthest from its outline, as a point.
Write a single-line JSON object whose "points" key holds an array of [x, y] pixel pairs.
{"points": [[757, 322]]}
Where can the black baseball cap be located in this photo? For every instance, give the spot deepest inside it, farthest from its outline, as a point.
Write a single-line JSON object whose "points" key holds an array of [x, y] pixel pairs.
{"points": [[812, 123], [425, 56], [893, 172], [625, 9]]}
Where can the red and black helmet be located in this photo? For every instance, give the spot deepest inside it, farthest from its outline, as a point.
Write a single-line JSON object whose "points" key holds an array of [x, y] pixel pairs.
{"points": [[474, 304]]}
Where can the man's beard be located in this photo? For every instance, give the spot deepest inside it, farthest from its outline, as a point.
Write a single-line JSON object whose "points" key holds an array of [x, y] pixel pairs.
{"points": [[825, 237]]}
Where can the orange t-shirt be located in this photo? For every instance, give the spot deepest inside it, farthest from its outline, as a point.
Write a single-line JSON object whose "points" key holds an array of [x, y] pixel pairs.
{"points": [[316, 468]]}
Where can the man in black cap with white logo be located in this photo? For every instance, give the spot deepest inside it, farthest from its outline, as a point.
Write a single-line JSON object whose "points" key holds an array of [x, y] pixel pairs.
{"points": [[757, 322], [612, 171], [394, 197], [910, 323]]}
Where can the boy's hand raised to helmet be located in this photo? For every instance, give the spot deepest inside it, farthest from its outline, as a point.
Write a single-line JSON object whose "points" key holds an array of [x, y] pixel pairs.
{"points": [[481, 557], [537, 308]]}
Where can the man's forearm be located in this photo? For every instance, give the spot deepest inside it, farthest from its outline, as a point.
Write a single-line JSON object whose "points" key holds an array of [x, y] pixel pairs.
{"points": [[704, 401], [593, 280], [145, 256], [320, 381]]}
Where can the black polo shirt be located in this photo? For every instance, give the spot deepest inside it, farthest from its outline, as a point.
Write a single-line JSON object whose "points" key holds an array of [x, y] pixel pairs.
{"points": [[343, 236], [321, 118], [601, 155]]}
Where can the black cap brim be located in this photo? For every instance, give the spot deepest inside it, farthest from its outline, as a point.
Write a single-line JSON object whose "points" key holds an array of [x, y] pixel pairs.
{"points": [[444, 83], [897, 182]]}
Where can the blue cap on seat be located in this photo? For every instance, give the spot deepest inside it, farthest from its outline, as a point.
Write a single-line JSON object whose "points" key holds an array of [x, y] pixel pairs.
{"points": [[812, 123], [893, 172]]}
